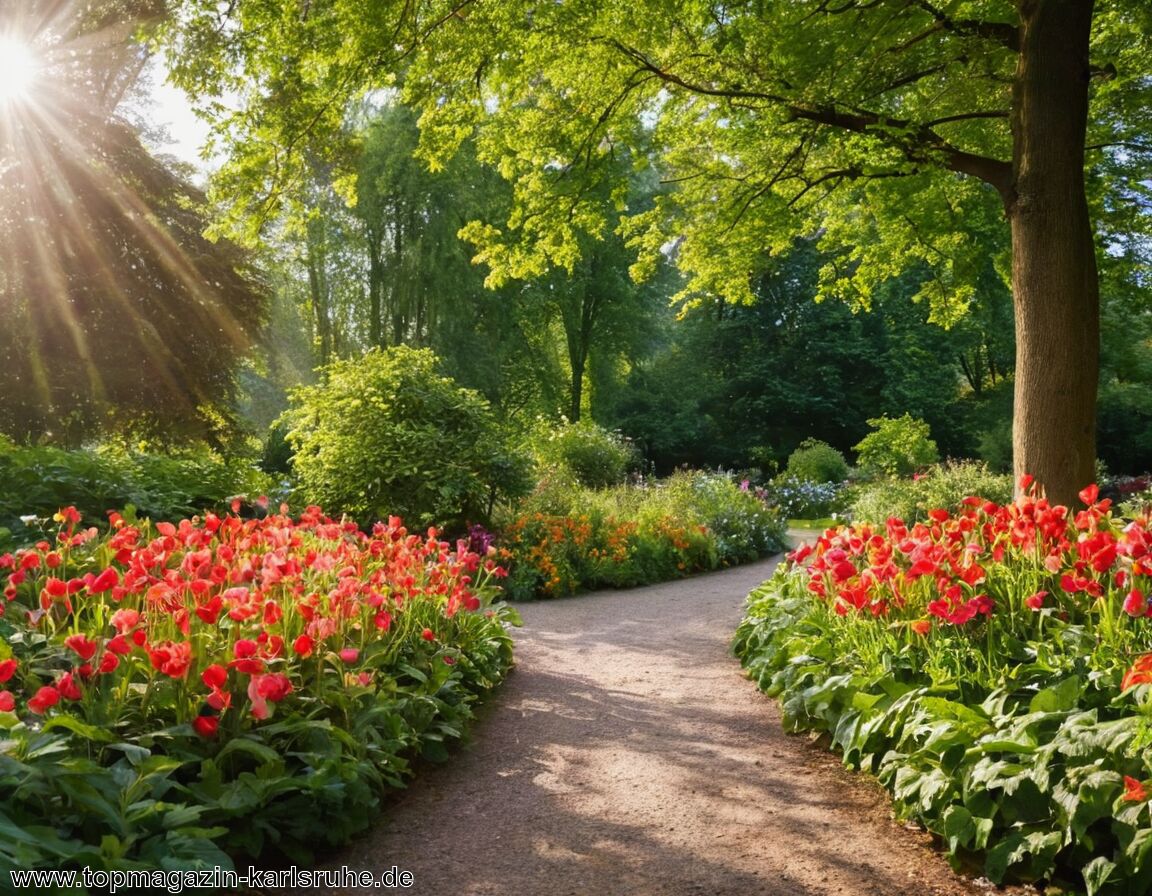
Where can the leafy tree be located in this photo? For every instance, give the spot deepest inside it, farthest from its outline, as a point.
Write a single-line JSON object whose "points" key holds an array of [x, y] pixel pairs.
{"points": [[115, 310], [388, 434], [884, 126]]}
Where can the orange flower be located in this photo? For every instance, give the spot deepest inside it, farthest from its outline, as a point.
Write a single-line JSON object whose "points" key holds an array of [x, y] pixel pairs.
{"points": [[1140, 673], [1134, 790]]}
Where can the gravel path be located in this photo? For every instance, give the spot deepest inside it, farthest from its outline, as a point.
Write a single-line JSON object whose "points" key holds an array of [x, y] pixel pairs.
{"points": [[627, 754]]}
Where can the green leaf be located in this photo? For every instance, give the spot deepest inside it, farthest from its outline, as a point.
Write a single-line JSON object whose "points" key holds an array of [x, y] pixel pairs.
{"points": [[1096, 874], [1061, 697]]}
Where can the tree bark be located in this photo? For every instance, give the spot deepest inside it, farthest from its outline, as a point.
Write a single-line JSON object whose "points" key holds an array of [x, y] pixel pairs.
{"points": [[1054, 279]]}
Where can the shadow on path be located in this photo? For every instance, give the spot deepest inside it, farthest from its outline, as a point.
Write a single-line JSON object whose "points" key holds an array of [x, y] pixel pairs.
{"points": [[627, 754]]}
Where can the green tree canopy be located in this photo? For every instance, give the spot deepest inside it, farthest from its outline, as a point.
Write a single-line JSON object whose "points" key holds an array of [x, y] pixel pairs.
{"points": [[885, 127]]}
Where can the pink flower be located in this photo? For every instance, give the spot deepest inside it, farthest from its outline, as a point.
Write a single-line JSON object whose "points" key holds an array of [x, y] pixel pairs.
{"points": [[1135, 604], [7, 701], [349, 655]]}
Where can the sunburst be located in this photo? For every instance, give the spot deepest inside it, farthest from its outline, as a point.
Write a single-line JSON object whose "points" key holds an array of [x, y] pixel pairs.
{"points": [[95, 231], [19, 68]]}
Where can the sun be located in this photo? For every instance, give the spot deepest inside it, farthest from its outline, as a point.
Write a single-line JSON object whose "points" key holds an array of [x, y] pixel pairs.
{"points": [[18, 69]]}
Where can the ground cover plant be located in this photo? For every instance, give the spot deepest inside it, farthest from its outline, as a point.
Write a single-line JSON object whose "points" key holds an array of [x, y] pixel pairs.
{"points": [[566, 538], [40, 479], [181, 695], [992, 668]]}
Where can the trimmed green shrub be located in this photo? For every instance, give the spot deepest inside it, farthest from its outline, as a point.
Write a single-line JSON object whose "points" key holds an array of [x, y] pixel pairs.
{"points": [[387, 434], [896, 447], [816, 461], [589, 453]]}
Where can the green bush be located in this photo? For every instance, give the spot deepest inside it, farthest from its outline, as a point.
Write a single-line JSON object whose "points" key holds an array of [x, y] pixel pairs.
{"points": [[39, 480], [592, 455], [387, 434], [816, 461], [944, 486], [896, 447]]}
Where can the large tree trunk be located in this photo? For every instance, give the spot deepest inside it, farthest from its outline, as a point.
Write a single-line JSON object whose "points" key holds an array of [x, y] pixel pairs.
{"points": [[1054, 278]]}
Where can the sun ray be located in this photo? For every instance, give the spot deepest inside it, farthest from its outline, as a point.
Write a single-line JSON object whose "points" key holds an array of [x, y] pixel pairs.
{"points": [[100, 232]]}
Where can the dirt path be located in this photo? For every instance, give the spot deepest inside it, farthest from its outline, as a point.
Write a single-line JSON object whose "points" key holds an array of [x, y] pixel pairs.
{"points": [[628, 755]]}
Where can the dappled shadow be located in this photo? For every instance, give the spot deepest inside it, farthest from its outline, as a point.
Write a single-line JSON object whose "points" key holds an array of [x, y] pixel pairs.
{"points": [[627, 754]]}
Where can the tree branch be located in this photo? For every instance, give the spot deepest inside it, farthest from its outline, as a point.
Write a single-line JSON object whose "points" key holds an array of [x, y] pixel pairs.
{"points": [[919, 143], [1008, 36]]}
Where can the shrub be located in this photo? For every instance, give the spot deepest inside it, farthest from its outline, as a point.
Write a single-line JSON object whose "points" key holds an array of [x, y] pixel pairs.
{"points": [[182, 695], [38, 480], [593, 456], [992, 667], [896, 447], [387, 434], [944, 486], [816, 461]]}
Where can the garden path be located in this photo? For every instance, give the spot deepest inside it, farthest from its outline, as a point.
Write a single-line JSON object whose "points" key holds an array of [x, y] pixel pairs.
{"points": [[627, 754]]}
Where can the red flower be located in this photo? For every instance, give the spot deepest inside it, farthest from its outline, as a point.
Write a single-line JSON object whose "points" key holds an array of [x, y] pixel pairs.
{"points": [[84, 646], [1035, 601], [274, 687], [1140, 673], [428, 635], [7, 670], [109, 662], [68, 688], [210, 611], [43, 700], [303, 646], [1135, 604], [248, 666], [215, 676], [245, 648], [7, 701], [921, 626], [1134, 790], [206, 726], [107, 580], [119, 644], [172, 658], [219, 700]]}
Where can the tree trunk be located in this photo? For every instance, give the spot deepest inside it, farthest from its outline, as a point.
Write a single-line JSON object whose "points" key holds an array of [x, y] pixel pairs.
{"points": [[375, 289], [1054, 280], [318, 289]]}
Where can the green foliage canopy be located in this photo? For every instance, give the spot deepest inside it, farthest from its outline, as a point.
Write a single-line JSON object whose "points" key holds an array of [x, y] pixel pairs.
{"points": [[885, 127]]}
